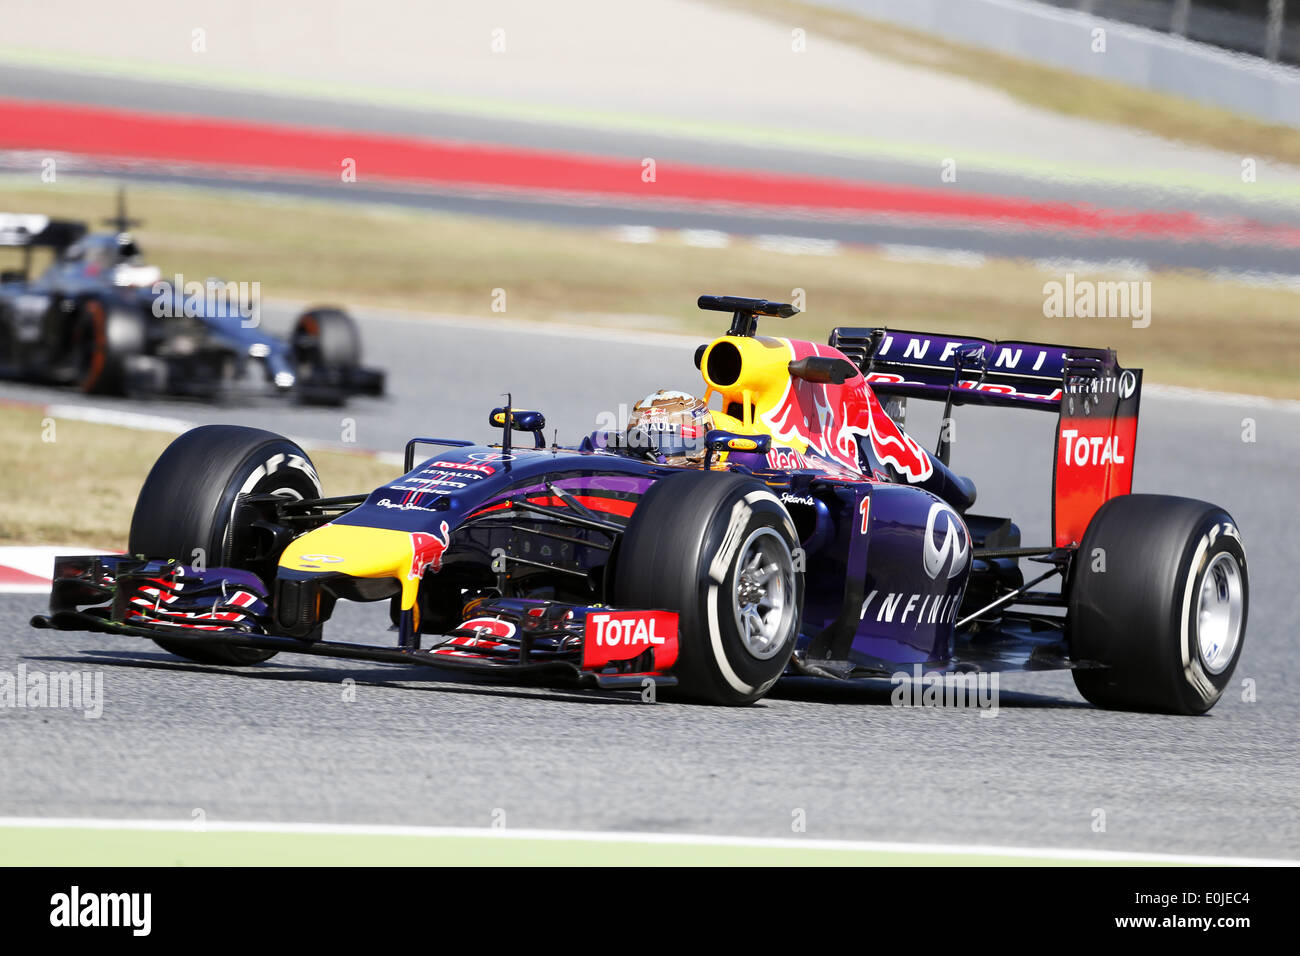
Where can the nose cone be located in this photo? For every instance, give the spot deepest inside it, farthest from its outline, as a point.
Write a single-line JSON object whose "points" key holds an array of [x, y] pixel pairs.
{"points": [[361, 552]]}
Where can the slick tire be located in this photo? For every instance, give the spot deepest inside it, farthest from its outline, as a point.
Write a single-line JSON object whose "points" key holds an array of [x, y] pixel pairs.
{"points": [[191, 503], [720, 550], [103, 341], [1159, 594]]}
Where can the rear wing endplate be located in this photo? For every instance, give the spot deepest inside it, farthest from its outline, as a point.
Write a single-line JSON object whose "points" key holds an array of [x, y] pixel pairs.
{"points": [[1095, 398], [21, 229]]}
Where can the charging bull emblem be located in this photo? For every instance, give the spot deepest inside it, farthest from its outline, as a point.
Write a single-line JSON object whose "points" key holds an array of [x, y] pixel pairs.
{"points": [[830, 418], [427, 550]]}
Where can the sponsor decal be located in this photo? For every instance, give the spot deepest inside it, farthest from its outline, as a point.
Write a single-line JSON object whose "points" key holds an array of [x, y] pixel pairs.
{"points": [[786, 458], [490, 634], [1123, 385], [915, 609], [475, 466], [1094, 462], [321, 558], [1090, 449], [403, 506], [427, 550], [489, 456], [1007, 355], [954, 551], [790, 499], [438, 479], [886, 378], [443, 475], [489, 626], [997, 388], [610, 636], [1000, 389]]}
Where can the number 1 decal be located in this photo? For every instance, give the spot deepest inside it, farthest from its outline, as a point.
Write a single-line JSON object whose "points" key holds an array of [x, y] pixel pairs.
{"points": [[865, 508]]}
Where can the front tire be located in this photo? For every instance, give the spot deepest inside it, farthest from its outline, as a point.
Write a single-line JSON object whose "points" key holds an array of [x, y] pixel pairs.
{"points": [[327, 355], [721, 551], [191, 502], [104, 339], [1159, 595]]}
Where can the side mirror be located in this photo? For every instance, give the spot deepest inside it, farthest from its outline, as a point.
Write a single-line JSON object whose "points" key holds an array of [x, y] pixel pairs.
{"points": [[718, 441], [521, 420]]}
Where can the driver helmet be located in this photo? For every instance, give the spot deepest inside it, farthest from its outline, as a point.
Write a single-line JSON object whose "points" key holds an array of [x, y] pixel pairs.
{"points": [[672, 423]]}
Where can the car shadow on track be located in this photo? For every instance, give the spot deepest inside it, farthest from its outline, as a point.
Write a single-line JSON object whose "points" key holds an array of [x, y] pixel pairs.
{"points": [[881, 692], [865, 692], [428, 680]]}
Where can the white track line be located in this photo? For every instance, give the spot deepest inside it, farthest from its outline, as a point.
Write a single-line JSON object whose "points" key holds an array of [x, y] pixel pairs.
{"points": [[589, 836], [122, 418], [1181, 393]]}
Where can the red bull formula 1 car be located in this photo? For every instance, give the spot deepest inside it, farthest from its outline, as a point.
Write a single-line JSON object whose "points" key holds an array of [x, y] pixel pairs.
{"points": [[812, 536]]}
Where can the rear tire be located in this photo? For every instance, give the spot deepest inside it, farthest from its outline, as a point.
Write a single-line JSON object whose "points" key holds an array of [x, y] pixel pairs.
{"points": [[699, 543], [191, 502], [1167, 615]]}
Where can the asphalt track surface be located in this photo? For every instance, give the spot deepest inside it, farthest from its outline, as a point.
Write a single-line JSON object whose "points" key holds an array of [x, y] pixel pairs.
{"points": [[990, 237], [279, 742]]}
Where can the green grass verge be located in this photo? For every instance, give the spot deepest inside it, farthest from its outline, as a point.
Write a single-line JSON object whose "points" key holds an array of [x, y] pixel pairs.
{"points": [[1204, 332], [70, 846], [50, 462]]}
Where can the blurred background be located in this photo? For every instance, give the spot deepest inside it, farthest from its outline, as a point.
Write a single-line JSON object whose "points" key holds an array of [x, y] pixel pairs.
{"points": [[1257, 27]]}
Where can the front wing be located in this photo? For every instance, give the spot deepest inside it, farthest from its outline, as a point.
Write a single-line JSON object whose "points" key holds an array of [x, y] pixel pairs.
{"points": [[525, 639]]}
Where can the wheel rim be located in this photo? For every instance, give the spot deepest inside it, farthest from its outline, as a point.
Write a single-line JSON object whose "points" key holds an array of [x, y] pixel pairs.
{"points": [[763, 596], [1219, 606], [237, 545]]}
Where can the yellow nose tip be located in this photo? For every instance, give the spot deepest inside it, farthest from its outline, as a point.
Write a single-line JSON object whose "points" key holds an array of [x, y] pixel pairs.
{"points": [[361, 552]]}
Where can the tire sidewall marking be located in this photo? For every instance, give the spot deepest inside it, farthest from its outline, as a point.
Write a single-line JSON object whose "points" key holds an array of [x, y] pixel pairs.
{"points": [[268, 466], [742, 521], [1198, 678]]}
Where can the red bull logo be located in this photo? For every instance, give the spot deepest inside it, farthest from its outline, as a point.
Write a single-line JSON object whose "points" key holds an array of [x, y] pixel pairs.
{"points": [[830, 418], [427, 550]]}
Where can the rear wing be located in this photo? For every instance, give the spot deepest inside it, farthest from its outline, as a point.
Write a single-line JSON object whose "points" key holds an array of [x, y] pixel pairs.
{"points": [[23, 230], [1096, 401]]}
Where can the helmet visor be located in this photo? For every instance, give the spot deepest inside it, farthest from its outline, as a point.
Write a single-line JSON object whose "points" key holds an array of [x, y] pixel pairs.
{"points": [[669, 439]]}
